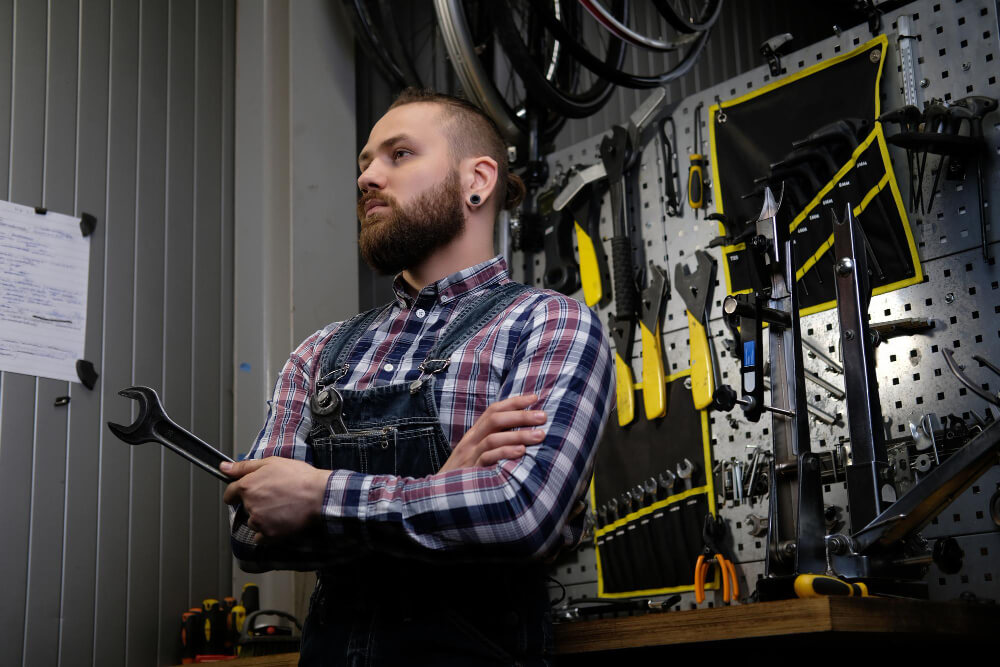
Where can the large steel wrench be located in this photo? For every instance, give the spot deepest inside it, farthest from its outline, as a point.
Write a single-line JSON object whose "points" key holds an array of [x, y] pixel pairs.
{"points": [[153, 425]]}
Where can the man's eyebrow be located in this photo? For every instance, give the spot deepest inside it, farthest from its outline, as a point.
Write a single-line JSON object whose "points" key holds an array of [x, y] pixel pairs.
{"points": [[366, 155]]}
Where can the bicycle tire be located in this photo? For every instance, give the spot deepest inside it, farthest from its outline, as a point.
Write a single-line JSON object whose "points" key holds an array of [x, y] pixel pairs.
{"points": [[629, 80], [621, 30], [370, 42], [478, 85], [704, 20], [403, 60], [567, 102]]}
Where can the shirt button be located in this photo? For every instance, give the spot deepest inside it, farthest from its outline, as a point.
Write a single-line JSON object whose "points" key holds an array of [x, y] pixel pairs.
{"points": [[389, 367], [421, 312]]}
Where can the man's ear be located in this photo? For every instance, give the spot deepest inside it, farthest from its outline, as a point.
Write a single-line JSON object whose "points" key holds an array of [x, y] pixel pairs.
{"points": [[482, 176]]}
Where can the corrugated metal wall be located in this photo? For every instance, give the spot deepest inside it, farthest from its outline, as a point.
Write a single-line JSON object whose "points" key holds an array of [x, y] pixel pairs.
{"points": [[123, 109]]}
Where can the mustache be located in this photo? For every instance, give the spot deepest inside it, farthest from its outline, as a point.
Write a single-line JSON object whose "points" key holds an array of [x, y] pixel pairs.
{"points": [[371, 195]]}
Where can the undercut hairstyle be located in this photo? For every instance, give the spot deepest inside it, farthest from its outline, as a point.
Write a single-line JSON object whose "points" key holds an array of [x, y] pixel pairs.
{"points": [[472, 133]]}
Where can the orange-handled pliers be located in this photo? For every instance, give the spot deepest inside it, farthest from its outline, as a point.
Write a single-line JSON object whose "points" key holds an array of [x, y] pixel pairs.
{"points": [[712, 532], [730, 585]]}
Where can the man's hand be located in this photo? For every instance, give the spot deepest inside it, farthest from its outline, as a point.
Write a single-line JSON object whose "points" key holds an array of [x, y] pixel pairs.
{"points": [[281, 496], [491, 438]]}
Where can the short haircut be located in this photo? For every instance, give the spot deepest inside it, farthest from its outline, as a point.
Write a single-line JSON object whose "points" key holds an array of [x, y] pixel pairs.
{"points": [[472, 133]]}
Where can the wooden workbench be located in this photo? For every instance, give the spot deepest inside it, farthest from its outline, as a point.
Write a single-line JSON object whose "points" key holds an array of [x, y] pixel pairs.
{"points": [[841, 620], [786, 622]]}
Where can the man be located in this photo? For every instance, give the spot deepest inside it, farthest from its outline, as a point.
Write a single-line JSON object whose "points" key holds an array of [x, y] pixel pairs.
{"points": [[429, 455]]}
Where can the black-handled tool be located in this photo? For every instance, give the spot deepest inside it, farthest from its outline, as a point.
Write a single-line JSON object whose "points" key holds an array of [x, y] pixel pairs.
{"points": [[153, 425]]}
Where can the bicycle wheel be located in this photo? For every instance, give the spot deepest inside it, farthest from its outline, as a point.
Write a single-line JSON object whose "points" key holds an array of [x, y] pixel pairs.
{"points": [[580, 46], [689, 16], [556, 82], [370, 39], [489, 79], [623, 31]]}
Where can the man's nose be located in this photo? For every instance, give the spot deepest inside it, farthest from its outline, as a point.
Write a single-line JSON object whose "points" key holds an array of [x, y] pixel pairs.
{"points": [[371, 178]]}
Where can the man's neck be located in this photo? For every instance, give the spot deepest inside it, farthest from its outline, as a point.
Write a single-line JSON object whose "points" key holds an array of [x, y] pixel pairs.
{"points": [[446, 261]]}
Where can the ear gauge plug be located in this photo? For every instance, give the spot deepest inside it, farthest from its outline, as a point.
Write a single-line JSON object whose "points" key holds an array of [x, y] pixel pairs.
{"points": [[475, 200]]}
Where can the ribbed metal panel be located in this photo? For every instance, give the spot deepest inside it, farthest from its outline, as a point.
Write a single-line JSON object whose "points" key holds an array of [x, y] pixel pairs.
{"points": [[122, 109]]}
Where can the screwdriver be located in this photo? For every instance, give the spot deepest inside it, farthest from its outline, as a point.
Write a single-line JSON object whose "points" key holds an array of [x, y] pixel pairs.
{"points": [[818, 585], [696, 172]]}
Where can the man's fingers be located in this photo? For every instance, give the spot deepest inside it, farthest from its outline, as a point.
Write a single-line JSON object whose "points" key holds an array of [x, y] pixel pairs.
{"points": [[231, 496], [240, 468], [493, 456], [503, 421], [510, 439], [512, 403]]}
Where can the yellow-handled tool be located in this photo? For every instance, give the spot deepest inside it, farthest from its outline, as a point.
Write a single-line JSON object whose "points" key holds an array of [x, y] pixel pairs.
{"points": [[818, 585], [586, 210], [696, 290], [696, 171], [652, 304]]}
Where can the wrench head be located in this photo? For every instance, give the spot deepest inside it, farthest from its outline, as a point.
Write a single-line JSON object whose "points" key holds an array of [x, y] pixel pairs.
{"points": [[685, 471], [150, 410]]}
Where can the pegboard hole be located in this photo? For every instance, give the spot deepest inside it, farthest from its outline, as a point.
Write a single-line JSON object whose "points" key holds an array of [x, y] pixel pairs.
{"points": [[937, 372]]}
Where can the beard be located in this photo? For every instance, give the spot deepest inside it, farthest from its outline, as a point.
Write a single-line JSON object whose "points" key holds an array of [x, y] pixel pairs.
{"points": [[397, 239]]}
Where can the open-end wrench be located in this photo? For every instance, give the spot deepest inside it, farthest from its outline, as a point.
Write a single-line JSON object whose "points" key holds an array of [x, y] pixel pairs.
{"points": [[153, 425], [665, 481], [685, 472]]}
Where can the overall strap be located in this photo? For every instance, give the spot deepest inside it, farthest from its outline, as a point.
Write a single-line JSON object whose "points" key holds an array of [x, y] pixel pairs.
{"points": [[472, 319], [332, 358]]}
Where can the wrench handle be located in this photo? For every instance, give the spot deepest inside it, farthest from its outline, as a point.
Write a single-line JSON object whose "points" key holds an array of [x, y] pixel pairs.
{"points": [[191, 447]]}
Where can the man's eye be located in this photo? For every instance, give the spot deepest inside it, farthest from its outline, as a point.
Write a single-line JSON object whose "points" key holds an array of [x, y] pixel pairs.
{"points": [[399, 152]]}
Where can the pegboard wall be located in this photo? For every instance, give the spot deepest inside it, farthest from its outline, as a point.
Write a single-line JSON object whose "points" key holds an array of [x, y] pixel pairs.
{"points": [[956, 54]]}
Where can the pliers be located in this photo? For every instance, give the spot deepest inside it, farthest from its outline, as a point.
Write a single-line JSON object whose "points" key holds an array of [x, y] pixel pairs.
{"points": [[714, 529]]}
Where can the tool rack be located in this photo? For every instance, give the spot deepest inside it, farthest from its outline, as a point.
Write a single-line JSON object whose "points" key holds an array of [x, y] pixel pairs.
{"points": [[956, 54]]}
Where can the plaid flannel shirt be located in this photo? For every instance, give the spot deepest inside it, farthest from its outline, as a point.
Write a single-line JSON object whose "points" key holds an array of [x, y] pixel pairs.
{"points": [[544, 343]]}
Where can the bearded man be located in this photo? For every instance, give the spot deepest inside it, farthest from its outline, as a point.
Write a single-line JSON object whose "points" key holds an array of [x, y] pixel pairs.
{"points": [[428, 456]]}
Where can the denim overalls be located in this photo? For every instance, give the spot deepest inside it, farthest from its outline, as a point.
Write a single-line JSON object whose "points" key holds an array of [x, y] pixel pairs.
{"points": [[385, 609]]}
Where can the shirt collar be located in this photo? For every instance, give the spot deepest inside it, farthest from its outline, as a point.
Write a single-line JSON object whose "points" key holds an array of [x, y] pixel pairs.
{"points": [[457, 284]]}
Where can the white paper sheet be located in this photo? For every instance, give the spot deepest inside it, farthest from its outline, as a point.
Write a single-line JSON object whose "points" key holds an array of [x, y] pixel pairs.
{"points": [[44, 264]]}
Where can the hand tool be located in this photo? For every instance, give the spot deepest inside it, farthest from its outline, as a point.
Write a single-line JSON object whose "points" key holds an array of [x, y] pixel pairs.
{"points": [[561, 271], [817, 352], [978, 106], [696, 175], [908, 119], [153, 425], [620, 156], [250, 598], [696, 290], [654, 303], [818, 585], [586, 211], [735, 233], [685, 472], [909, 326], [665, 482], [192, 635], [713, 532], [671, 172]]}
